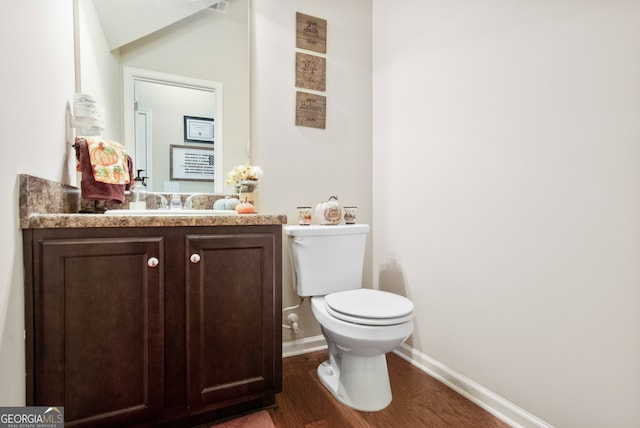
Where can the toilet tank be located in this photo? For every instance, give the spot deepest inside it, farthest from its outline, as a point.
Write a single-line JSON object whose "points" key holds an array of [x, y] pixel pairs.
{"points": [[326, 259]]}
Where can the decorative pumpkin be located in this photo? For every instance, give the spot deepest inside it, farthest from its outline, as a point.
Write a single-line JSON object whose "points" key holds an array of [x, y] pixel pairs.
{"points": [[245, 208], [226, 204], [329, 212], [104, 156]]}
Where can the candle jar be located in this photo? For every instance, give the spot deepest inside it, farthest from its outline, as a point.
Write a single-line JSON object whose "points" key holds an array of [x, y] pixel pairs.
{"points": [[304, 216], [350, 214]]}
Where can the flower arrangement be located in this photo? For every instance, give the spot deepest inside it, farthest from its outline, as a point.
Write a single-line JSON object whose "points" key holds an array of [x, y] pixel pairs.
{"points": [[242, 173]]}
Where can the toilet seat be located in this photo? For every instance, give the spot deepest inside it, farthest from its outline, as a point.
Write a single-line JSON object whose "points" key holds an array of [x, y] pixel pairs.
{"points": [[369, 307]]}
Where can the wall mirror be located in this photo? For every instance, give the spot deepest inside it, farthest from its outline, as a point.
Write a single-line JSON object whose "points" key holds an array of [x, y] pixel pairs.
{"points": [[177, 45], [176, 125]]}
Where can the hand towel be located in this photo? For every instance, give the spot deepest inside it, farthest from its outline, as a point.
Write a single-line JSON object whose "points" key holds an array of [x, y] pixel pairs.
{"points": [[107, 173], [108, 160]]}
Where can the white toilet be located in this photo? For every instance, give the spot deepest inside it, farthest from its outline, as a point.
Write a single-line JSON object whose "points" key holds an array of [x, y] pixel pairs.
{"points": [[360, 325]]}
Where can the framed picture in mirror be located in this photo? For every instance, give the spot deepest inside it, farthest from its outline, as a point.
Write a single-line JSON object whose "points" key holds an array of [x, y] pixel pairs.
{"points": [[198, 129], [191, 163]]}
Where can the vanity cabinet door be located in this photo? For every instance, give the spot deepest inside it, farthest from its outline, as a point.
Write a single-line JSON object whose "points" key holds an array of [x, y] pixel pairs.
{"points": [[98, 327], [233, 348]]}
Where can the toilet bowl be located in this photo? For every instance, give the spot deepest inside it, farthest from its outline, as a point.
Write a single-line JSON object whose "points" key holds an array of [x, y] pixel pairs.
{"points": [[360, 325], [356, 372]]}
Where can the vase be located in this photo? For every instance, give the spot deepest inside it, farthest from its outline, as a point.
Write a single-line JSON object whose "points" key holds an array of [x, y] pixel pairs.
{"points": [[247, 186], [248, 192]]}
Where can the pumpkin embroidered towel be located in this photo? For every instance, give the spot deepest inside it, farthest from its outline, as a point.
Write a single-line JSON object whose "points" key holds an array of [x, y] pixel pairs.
{"points": [[108, 160], [100, 181]]}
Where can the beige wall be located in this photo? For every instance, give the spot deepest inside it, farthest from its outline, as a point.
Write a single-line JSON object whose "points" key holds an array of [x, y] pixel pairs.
{"points": [[304, 166], [37, 79], [508, 132], [99, 72]]}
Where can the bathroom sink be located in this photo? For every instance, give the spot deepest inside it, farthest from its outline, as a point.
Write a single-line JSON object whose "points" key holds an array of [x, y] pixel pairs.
{"points": [[169, 212]]}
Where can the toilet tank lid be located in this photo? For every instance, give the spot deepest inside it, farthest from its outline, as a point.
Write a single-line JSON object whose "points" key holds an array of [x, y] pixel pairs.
{"points": [[320, 230]]}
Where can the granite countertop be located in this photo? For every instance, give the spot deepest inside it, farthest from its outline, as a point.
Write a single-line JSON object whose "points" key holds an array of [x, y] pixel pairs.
{"points": [[53, 221], [48, 205]]}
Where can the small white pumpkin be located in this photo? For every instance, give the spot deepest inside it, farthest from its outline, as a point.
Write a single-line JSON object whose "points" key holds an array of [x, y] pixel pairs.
{"points": [[329, 212], [226, 204]]}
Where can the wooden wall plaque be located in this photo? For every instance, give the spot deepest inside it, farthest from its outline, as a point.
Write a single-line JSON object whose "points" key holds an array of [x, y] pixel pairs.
{"points": [[311, 110], [311, 33], [311, 72]]}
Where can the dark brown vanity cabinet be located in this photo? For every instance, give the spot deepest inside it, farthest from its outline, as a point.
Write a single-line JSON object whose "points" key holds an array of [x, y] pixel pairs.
{"points": [[230, 329], [97, 327], [154, 325]]}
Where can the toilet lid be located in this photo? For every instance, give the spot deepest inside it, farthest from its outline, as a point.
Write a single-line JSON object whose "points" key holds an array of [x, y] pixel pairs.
{"points": [[369, 307]]}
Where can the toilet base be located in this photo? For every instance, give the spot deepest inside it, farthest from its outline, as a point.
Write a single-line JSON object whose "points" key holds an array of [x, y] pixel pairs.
{"points": [[361, 383]]}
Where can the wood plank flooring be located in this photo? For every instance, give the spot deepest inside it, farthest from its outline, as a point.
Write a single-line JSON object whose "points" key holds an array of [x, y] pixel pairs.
{"points": [[418, 401]]}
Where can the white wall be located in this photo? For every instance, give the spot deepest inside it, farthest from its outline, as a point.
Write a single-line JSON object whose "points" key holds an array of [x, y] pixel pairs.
{"points": [[507, 195], [304, 166], [36, 80]]}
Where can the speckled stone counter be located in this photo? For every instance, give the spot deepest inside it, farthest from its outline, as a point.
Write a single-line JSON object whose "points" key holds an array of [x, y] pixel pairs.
{"points": [[45, 204], [53, 221]]}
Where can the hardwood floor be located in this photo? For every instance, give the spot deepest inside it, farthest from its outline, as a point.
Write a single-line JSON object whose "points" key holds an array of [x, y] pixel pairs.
{"points": [[418, 401]]}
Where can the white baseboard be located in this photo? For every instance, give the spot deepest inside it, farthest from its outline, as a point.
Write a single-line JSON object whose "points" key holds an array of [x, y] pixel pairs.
{"points": [[303, 346], [489, 401]]}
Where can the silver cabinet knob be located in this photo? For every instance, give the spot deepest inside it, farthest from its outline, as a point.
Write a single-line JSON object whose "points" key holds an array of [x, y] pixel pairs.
{"points": [[153, 262], [195, 258]]}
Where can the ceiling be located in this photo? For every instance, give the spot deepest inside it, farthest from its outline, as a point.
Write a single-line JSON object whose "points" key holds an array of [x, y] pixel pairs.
{"points": [[124, 21]]}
